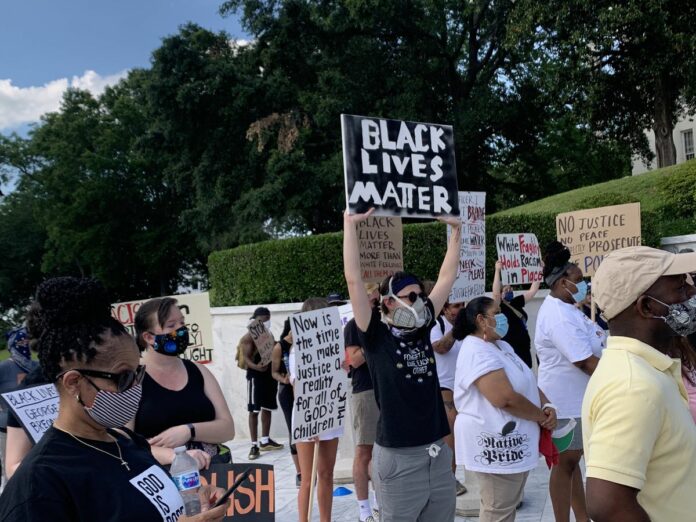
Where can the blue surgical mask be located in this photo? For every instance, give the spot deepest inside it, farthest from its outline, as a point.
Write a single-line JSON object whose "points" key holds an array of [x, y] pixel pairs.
{"points": [[509, 296], [581, 294], [501, 325]]}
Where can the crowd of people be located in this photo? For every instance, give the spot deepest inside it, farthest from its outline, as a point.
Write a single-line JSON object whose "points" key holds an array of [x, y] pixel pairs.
{"points": [[435, 385]]}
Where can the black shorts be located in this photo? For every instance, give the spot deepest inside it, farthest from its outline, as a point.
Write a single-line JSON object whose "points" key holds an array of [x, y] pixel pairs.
{"points": [[261, 392]]}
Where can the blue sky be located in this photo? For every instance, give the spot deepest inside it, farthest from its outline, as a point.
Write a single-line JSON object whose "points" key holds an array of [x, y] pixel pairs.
{"points": [[48, 45]]}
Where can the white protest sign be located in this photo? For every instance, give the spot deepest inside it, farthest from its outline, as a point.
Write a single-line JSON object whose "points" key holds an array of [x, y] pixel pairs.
{"points": [[263, 340], [35, 407], [346, 313], [471, 274], [521, 258], [320, 382], [401, 168]]}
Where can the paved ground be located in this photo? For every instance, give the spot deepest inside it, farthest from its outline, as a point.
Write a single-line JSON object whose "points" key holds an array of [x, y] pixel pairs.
{"points": [[536, 508]]}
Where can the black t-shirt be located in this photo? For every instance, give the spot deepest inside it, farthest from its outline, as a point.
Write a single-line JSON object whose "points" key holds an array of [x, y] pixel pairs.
{"points": [[161, 408], [360, 376], [62, 480], [407, 390], [518, 335]]}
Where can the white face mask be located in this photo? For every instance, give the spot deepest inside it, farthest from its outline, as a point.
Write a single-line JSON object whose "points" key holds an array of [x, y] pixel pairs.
{"points": [[408, 316], [267, 325]]}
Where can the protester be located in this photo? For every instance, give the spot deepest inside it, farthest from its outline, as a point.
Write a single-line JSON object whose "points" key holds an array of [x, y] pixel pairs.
{"points": [[86, 466], [446, 350], [262, 389], [365, 411], [326, 456], [286, 396], [513, 308], [586, 307], [12, 373], [684, 351], [500, 410], [182, 402], [411, 461], [568, 346], [640, 439]]}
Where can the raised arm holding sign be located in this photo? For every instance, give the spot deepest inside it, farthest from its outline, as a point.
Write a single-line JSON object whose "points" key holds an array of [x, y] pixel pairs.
{"points": [[471, 274]]}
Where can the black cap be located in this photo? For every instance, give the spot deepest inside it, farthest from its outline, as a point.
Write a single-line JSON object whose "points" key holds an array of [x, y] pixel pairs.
{"points": [[335, 299], [261, 311]]}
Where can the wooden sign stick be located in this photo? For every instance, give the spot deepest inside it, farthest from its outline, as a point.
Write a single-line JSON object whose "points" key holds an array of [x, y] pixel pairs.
{"points": [[312, 480]]}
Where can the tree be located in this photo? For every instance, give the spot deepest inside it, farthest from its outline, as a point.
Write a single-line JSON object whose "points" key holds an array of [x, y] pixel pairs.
{"points": [[632, 63]]}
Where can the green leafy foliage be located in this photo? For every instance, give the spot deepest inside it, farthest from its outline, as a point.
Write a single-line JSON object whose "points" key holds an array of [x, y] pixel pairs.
{"points": [[294, 269]]}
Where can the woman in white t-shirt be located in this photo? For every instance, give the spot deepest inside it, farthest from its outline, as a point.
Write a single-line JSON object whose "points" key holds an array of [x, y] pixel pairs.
{"points": [[568, 346], [499, 410]]}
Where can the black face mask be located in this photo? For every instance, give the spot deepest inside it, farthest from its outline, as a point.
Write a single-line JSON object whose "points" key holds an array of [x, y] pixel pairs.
{"points": [[172, 343]]}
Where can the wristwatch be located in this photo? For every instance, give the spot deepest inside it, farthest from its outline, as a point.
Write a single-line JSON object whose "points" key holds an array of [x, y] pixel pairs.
{"points": [[549, 405], [192, 428]]}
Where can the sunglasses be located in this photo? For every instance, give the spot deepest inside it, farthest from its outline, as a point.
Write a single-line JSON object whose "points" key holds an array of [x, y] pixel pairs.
{"points": [[124, 380], [412, 296]]}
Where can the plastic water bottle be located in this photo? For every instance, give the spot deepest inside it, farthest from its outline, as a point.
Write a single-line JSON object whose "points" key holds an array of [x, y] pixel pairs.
{"points": [[184, 471]]}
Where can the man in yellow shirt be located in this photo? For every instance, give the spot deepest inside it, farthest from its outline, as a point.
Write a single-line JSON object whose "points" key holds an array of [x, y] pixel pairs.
{"points": [[639, 437]]}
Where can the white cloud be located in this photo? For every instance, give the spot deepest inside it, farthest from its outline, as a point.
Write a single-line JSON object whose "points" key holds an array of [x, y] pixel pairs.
{"points": [[22, 105]]}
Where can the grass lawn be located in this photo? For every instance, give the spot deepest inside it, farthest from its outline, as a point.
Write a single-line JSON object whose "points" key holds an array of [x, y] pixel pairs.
{"points": [[646, 188]]}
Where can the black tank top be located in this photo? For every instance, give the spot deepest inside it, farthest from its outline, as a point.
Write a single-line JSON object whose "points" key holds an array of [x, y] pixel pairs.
{"points": [[161, 408]]}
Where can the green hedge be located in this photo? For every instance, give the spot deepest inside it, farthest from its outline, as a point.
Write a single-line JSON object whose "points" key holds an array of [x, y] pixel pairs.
{"points": [[290, 270]]}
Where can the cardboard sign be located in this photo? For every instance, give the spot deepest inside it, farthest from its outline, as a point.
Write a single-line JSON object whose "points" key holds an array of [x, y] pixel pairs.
{"points": [[521, 258], [254, 499], [401, 168], [320, 384], [471, 274], [263, 340], [196, 310], [380, 243], [592, 234], [35, 407]]}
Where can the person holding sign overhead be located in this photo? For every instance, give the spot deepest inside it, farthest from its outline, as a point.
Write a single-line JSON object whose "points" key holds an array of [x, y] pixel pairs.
{"points": [[411, 463], [87, 467], [182, 402], [568, 346], [513, 308]]}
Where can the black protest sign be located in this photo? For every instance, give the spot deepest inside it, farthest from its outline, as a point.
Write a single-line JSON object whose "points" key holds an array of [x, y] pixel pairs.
{"points": [[400, 168], [35, 407], [254, 499]]}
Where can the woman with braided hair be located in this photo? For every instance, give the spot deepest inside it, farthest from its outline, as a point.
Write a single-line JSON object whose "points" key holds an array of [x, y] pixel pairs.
{"points": [[568, 346], [87, 467]]}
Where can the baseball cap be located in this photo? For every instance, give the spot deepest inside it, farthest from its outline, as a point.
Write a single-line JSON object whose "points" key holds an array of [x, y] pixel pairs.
{"points": [[626, 274], [335, 299]]}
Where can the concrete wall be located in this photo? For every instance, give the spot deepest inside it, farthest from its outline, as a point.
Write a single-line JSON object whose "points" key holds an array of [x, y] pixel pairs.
{"points": [[229, 325]]}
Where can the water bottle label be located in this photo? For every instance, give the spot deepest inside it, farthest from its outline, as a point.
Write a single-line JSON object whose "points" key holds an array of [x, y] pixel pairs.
{"points": [[187, 481]]}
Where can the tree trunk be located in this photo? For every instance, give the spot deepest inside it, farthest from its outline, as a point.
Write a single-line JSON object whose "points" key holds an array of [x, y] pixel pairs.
{"points": [[663, 124]]}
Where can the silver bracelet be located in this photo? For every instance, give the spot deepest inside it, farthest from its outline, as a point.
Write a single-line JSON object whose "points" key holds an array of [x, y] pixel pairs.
{"points": [[549, 405]]}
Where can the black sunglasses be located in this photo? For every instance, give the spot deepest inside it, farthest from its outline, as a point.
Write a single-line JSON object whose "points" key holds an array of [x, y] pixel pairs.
{"points": [[124, 380], [412, 296]]}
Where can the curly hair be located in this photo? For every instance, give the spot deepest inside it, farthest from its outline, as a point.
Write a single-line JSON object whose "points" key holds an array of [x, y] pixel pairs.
{"points": [[69, 319]]}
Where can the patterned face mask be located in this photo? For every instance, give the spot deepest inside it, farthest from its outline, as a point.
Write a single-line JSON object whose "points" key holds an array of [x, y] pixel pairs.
{"points": [[681, 317], [173, 343], [114, 409]]}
